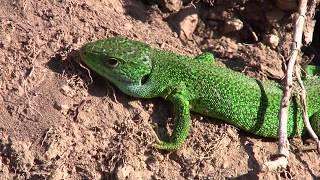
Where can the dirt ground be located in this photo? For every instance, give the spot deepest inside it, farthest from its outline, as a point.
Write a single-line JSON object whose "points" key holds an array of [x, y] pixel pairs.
{"points": [[57, 124]]}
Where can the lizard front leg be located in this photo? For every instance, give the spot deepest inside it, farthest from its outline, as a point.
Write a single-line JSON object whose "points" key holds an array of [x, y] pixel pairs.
{"points": [[180, 101], [312, 70], [206, 58]]}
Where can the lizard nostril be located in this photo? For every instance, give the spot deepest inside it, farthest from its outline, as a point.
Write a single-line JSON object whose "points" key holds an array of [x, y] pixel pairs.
{"points": [[84, 53]]}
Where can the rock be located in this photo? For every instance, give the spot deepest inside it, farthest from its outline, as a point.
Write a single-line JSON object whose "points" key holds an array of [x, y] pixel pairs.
{"points": [[271, 40], [170, 5], [62, 107], [233, 25], [188, 25], [184, 22], [67, 91]]}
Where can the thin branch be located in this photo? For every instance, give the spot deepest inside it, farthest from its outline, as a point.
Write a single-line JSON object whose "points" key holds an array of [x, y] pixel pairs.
{"points": [[283, 146], [285, 102], [305, 109]]}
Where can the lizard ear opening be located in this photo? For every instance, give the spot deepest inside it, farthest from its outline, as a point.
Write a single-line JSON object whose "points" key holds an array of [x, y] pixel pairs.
{"points": [[145, 78]]}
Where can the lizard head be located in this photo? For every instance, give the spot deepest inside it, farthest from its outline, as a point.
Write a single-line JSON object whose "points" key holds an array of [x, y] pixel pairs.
{"points": [[124, 62]]}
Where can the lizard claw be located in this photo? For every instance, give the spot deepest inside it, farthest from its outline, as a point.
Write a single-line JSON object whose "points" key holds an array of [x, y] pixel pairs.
{"points": [[154, 134]]}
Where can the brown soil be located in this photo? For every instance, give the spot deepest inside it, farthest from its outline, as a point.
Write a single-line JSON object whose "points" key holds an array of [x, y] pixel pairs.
{"points": [[56, 124]]}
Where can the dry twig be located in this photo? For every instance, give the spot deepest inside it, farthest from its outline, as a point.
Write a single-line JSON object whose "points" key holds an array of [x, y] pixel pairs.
{"points": [[283, 146], [285, 102], [305, 109]]}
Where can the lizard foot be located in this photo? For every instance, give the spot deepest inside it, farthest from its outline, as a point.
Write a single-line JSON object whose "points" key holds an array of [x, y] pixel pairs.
{"points": [[168, 146], [163, 145]]}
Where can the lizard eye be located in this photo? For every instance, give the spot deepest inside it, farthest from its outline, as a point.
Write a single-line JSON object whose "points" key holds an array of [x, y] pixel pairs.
{"points": [[112, 62]]}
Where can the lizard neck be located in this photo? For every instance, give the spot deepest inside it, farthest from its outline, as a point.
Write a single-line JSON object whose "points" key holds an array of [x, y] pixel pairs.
{"points": [[138, 90]]}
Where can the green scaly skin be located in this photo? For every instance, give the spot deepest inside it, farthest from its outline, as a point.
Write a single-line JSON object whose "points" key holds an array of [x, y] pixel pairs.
{"points": [[199, 85]]}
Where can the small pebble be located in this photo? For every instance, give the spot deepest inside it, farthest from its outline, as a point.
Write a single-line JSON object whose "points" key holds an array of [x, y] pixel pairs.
{"points": [[272, 40], [233, 25]]}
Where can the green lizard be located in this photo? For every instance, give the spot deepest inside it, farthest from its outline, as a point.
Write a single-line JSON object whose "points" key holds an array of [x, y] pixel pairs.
{"points": [[197, 84]]}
